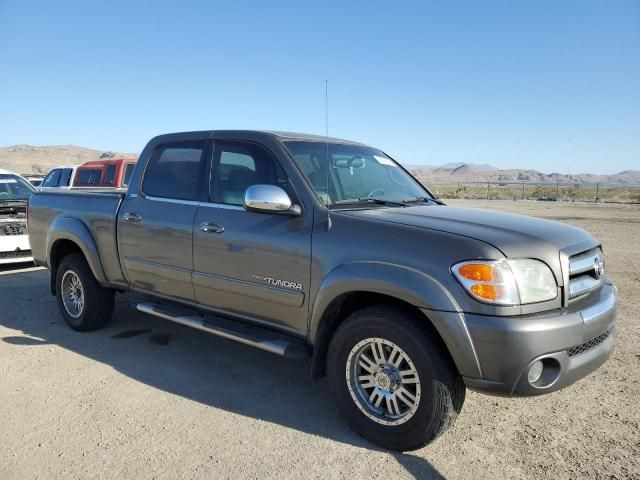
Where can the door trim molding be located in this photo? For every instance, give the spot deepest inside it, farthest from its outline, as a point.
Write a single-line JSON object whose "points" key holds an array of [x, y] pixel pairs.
{"points": [[249, 289]]}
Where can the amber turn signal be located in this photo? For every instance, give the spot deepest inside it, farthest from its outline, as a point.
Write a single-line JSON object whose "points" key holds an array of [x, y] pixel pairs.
{"points": [[480, 272], [487, 292]]}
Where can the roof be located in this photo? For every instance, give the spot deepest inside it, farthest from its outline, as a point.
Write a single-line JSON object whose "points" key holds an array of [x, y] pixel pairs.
{"points": [[7, 172], [92, 163], [282, 136], [309, 137]]}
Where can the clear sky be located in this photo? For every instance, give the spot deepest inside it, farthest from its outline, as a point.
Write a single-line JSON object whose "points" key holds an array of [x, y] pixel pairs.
{"points": [[533, 84]]}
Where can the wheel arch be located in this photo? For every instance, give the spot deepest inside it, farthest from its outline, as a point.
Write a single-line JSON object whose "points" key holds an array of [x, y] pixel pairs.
{"points": [[362, 284], [68, 236]]}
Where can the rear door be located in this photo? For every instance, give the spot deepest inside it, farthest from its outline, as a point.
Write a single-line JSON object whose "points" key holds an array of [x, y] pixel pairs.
{"points": [[253, 264], [155, 225]]}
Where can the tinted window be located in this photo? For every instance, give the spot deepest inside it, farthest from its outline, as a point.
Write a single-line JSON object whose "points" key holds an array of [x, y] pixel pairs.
{"points": [[173, 171], [13, 187], [127, 174], [89, 176], [52, 179], [237, 166], [110, 174], [65, 177]]}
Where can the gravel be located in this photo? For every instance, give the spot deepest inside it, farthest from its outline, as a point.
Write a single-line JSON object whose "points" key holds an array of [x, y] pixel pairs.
{"points": [[143, 398]]}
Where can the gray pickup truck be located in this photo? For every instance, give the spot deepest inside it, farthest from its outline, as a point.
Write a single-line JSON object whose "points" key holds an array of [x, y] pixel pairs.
{"points": [[313, 247]]}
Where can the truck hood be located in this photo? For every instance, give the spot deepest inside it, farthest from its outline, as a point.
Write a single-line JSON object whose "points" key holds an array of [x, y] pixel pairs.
{"points": [[516, 236]]}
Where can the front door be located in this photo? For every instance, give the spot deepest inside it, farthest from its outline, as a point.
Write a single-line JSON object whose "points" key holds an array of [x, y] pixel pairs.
{"points": [[155, 225], [253, 264]]}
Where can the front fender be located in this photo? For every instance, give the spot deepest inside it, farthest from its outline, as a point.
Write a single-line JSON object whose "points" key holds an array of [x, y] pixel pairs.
{"points": [[74, 230], [412, 286]]}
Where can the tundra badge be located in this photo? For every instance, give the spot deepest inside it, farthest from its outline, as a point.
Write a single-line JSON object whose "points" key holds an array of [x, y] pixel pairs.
{"points": [[276, 282]]}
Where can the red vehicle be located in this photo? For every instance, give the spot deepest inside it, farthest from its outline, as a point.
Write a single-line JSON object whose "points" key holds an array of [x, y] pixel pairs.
{"points": [[110, 173]]}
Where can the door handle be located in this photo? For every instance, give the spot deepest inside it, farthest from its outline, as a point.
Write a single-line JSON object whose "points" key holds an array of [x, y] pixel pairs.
{"points": [[132, 217], [211, 227]]}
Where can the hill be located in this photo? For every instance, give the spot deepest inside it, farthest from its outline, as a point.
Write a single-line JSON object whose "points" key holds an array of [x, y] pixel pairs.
{"points": [[469, 173], [33, 160]]}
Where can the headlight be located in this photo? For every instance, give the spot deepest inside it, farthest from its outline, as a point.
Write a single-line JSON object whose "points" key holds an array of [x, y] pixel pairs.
{"points": [[507, 282]]}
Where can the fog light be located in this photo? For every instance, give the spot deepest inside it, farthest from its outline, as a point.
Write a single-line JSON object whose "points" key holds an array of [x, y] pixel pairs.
{"points": [[535, 372]]}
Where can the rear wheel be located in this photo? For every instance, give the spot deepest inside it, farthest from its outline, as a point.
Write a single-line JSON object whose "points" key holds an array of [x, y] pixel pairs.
{"points": [[391, 380], [84, 304]]}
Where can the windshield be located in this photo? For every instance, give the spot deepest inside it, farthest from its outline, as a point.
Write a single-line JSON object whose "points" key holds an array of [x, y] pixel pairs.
{"points": [[13, 187], [356, 173]]}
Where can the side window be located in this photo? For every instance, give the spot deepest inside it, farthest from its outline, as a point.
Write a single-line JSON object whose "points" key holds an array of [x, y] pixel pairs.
{"points": [[237, 166], [52, 179], [173, 170], [127, 174], [89, 176], [110, 174], [65, 176]]}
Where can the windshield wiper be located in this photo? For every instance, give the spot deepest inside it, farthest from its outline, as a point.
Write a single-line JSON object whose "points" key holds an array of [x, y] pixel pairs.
{"points": [[361, 201], [423, 199]]}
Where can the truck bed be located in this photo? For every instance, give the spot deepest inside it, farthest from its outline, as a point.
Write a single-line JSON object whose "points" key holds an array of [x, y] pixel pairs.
{"points": [[96, 211]]}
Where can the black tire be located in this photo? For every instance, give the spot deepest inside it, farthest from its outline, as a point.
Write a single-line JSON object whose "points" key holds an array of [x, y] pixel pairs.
{"points": [[98, 302], [442, 390]]}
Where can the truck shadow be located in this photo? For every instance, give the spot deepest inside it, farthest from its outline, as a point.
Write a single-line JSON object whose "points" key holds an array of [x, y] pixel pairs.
{"points": [[187, 363]]}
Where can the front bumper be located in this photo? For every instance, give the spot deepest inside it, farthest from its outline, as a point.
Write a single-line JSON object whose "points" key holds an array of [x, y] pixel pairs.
{"points": [[15, 249], [572, 343]]}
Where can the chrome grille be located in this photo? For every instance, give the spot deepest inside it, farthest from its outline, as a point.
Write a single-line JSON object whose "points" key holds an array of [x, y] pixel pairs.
{"points": [[16, 254], [586, 272], [586, 346], [13, 228]]}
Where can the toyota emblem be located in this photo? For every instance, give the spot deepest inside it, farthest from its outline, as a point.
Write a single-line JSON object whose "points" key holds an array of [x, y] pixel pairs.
{"points": [[598, 267]]}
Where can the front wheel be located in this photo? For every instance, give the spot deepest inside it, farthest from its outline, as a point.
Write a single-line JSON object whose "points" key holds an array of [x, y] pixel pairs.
{"points": [[84, 304], [392, 380]]}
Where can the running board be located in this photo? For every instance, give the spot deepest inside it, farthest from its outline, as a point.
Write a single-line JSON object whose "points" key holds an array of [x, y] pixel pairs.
{"points": [[260, 338]]}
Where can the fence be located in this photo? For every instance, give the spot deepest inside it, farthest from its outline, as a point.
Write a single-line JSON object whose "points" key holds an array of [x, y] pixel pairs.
{"points": [[596, 192]]}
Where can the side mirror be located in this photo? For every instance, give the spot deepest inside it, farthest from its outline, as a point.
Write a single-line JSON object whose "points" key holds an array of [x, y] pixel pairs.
{"points": [[269, 199]]}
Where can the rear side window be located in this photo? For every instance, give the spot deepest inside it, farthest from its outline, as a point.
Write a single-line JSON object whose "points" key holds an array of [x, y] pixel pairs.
{"points": [[110, 174], [173, 170], [52, 179], [89, 176], [127, 174], [65, 177]]}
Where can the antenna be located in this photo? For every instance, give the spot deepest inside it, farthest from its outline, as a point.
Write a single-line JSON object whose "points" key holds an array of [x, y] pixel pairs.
{"points": [[326, 135], [569, 159]]}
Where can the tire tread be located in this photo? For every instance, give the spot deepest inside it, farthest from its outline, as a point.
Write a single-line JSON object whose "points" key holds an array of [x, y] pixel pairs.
{"points": [[99, 301]]}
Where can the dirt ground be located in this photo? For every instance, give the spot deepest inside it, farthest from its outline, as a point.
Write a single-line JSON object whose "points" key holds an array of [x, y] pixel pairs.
{"points": [[144, 398]]}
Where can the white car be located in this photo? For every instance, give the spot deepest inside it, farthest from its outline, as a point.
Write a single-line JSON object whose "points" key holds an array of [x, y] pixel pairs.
{"points": [[35, 181], [59, 178], [14, 195]]}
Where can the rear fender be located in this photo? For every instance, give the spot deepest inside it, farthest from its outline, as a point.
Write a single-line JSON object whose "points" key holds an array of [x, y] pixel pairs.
{"points": [[74, 230]]}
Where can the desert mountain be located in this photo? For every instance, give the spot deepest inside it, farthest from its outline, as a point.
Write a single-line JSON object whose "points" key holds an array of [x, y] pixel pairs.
{"points": [[463, 172], [29, 160], [32, 160]]}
